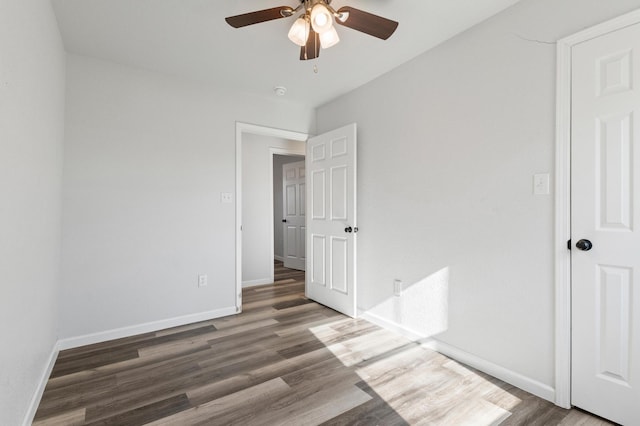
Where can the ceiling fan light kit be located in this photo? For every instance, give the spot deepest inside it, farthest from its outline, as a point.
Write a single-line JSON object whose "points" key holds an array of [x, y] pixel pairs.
{"points": [[315, 27], [329, 38], [299, 31], [321, 18]]}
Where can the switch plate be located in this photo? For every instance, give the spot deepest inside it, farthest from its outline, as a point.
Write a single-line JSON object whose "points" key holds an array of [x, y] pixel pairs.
{"points": [[397, 288], [541, 184], [202, 280], [226, 197]]}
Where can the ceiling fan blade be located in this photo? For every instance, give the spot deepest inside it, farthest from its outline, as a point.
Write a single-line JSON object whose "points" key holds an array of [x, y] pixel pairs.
{"points": [[367, 23], [259, 16], [312, 49]]}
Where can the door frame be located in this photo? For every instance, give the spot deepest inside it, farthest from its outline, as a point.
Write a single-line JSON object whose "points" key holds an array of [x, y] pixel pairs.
{"points": [[247, 128], [563, 199]]}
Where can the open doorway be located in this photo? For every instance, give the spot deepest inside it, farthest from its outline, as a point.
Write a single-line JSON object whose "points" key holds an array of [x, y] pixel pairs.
{"points": [[255, 219], [332, 221]]}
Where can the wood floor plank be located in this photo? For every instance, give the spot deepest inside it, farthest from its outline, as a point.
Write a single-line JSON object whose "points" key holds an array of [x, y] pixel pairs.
{"points": [[321, 406], [268, 302], [149, 369], [216, 409], [145, 414], [244, 318], [580, 418], [135, 392], [67, 418], [109, 345], [376, 411], [309, 326], [124, 350], [186, 327], [339, 403], [204, 338], [284, 360], [70, 378], [217, 389], [291, 303], [93, 360]]}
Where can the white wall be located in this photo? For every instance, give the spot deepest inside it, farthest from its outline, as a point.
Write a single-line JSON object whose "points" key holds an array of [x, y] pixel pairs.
{"points": [[31, 137], [257, 205], [448, 145], [278, 237], [146, 158]]}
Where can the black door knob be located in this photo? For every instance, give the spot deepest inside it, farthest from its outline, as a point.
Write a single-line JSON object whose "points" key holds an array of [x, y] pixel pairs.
{"points": [[284, 220], [584, 245], [348, 229]]}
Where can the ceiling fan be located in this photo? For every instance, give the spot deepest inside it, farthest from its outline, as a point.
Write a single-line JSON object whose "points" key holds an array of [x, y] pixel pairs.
{"points": [[314, 27]]}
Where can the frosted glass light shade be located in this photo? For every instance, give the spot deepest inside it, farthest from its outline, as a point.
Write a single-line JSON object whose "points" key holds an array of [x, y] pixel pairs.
{"points": [[329, 38], [321, 19], [299, 32]]}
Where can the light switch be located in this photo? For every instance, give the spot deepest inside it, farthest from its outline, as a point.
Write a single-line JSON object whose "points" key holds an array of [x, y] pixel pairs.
{"points": [[541, 184], [397, 288], [226, 197], [202, 280]]}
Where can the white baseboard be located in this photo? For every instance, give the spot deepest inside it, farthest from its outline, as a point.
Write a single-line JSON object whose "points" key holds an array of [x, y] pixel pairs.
{"points": [[44, 378], [253, 283], [516, 379], [103, 336], [389, 325], [280, 258]]}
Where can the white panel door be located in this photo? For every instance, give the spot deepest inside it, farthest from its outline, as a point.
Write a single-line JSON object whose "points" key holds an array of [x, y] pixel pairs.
{"points": [[605, 225], [332, 227], [293, 209]]}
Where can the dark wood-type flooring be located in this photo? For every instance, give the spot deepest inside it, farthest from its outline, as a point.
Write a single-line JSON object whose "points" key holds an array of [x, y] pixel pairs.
{"points": [[283, 361]]}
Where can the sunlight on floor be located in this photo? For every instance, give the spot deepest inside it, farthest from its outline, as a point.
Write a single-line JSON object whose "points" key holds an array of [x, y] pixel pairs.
{"points": [[413, 380]]}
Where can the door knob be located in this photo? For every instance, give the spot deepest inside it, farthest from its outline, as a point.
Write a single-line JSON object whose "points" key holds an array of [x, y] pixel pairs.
{"points": [[284, 220], [584, 245], [348, 229]]}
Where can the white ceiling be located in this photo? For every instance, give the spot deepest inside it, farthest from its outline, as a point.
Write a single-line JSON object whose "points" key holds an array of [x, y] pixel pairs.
{"points": [[190, 38]]}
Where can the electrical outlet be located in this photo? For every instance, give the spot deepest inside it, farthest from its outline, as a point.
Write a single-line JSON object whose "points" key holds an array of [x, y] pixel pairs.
{"points": [[202, 280], [397, 288], [226, 197]]}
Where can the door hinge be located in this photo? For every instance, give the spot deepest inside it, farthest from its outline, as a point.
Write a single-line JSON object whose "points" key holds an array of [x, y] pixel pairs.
{"points": [[568, 244]]}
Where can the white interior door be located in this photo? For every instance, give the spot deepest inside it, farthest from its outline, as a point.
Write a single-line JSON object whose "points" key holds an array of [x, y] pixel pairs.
{"points": [[293, 210], [331, 223], [605, 197]]}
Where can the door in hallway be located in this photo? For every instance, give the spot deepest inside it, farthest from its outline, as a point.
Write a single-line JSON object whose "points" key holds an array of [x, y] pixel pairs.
{"points": [[294, 215]]}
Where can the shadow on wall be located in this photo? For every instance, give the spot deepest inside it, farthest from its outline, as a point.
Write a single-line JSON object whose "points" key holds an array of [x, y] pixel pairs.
{"points": [[421, 308]]}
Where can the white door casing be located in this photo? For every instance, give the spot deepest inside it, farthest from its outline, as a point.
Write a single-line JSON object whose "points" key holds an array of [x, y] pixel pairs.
{"points": [[331, 219], [605, 206], [293, 211]]}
